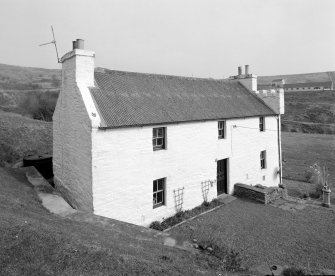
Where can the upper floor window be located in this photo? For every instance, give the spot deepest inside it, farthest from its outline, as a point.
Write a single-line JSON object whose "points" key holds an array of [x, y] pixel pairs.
{"points": [[261, 123], [158, 192], [221, 129], [263, 159], [159, 138]]}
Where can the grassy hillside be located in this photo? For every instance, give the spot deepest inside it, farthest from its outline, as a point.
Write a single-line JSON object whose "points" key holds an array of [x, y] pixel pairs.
{"points": [[21, 136], [36, 242], [309, 112], [28, 78]]}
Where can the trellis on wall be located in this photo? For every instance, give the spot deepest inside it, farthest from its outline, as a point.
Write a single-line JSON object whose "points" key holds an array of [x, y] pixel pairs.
{"points": [[205, 185], [179, 199]]}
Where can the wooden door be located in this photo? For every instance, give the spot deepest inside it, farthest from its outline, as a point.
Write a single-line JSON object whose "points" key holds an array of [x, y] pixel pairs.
{"points": [[221, 179]]}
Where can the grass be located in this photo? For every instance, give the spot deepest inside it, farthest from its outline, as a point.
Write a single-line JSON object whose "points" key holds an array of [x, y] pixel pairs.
{"points": [[36, 242], [21, 136], [265, 234], [300, 151], [303, 150]]}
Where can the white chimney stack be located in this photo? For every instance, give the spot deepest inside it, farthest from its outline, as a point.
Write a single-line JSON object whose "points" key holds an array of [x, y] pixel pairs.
{"points": [[78, 64]]}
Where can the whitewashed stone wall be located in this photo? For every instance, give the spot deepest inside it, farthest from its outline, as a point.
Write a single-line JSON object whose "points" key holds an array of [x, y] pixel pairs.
{"points": [[125, 165], [72, 124]]}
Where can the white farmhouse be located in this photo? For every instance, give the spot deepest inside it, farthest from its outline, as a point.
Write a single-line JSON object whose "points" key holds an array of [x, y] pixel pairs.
{"points": [[136, 147]]}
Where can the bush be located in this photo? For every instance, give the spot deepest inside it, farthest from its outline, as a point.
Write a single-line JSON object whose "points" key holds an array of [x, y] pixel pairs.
{"points": [[230, 259], [183, 215], [292, 271], [156, 225]]}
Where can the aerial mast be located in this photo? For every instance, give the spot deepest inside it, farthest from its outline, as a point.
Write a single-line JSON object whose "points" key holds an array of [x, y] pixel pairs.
{"points": [[53, 42]]}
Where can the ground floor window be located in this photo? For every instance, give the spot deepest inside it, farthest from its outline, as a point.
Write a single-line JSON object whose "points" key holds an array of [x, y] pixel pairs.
{"points": [[158, 192]]}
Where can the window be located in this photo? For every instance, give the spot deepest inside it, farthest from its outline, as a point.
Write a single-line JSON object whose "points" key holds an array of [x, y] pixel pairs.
{"points": [[158, 192], [263, 159], [159, 138], [222, 129], [261, 124]]}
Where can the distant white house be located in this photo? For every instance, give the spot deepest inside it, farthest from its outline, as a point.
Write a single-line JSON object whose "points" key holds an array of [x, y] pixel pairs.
{"points": [[137, 147], [309, 86]]}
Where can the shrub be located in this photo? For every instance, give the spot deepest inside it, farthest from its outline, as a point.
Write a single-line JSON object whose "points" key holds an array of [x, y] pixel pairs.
{"points": [[156, 225], [292, 271], [319, 177], [183, 215], [230, 259], [210, 242]]}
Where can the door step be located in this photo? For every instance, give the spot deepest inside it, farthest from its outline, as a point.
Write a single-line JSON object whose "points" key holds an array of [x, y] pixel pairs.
{"points": [[226, 198]]}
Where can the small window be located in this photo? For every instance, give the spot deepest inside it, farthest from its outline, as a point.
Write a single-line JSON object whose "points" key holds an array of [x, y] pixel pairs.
{"points": [[159, 138], [263, 159], [261, 124], [158, 192], [222, 129]]}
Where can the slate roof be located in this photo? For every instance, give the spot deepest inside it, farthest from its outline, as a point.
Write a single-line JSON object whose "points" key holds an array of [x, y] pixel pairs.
{"points": [[135, 99], [326, 84]]}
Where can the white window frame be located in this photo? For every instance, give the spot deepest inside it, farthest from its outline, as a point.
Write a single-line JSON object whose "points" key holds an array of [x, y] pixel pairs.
{"points": [[159, 138], [221, 129], [158, 190]]}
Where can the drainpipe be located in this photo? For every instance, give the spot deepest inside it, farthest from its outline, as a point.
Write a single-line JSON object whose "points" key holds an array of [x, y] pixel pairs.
{"points": [[279, 150]]}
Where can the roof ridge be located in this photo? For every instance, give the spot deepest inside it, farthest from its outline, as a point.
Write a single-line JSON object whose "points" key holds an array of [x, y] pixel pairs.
{"points": [[108, 71]]}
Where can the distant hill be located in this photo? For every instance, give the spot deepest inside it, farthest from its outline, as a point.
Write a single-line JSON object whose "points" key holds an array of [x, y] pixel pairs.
{"points": [[299, 78], [28, 78], [309, 112]]}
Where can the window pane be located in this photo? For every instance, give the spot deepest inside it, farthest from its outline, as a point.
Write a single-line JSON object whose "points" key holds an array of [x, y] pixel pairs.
{"points": [[160, 132], [155, 186], [154, 132], [160, 184], [159, 197], [155, 199], [159, 141]]}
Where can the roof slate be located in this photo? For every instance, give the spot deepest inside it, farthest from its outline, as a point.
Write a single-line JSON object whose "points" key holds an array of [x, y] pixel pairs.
{"points": [[132, 99]]}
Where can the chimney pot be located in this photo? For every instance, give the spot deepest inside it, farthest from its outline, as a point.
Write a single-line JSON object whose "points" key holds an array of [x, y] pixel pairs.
{"points": [[247, 70], [240, 70], [80, 44], [74, 45]]}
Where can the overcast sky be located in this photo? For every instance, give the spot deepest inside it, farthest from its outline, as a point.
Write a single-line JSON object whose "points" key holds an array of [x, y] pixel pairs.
{"points": [[200, 38]]}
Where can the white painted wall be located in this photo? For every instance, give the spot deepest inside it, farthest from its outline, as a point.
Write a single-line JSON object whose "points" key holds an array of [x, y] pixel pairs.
{"points": [[125, 165], [74, 117]]}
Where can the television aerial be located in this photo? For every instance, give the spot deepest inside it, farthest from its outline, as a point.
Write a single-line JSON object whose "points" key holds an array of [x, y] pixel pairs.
{"points": [[53, 42]]}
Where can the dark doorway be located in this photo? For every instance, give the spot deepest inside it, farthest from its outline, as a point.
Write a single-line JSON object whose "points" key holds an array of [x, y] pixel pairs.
{"points": [[221, 179]]}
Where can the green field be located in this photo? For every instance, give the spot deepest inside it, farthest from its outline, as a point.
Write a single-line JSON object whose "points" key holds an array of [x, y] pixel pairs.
{"points": [[300, 151]]}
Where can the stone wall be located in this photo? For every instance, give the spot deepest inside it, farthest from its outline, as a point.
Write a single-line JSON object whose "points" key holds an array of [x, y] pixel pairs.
{"points": [[125, 165], [72, 125], [264, 195]]}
